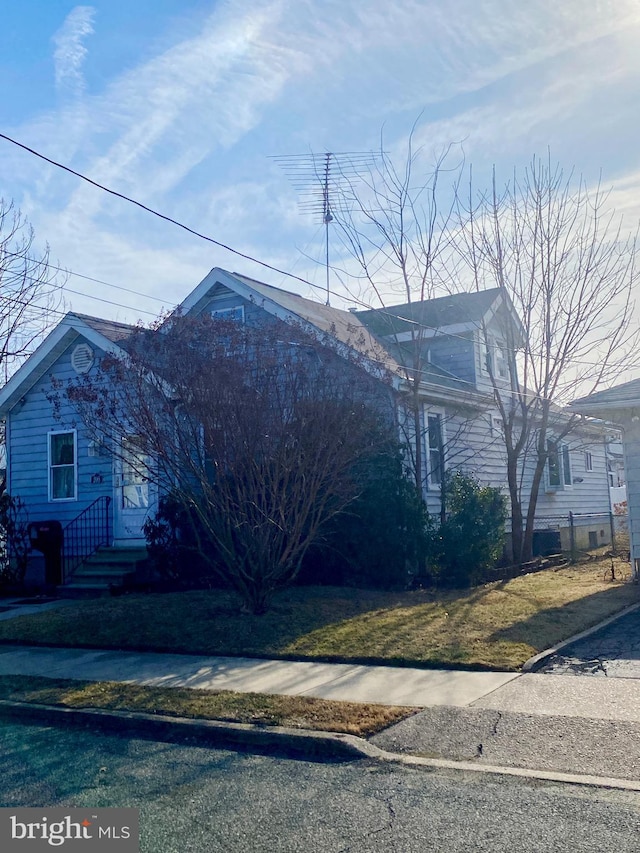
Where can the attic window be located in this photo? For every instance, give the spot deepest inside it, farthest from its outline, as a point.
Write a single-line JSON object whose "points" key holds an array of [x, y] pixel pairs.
{"points": [[82, 358], [236, 313]]}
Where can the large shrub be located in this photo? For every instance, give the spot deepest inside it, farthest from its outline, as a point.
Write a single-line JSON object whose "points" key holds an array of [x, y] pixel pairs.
{"points": [[472, 537], [380, 539], [256, 428], [14, 541], [177, 544]]}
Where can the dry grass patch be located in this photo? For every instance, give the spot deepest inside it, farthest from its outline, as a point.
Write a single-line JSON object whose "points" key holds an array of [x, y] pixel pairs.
{"points": [[498, 626], [294, 711]]}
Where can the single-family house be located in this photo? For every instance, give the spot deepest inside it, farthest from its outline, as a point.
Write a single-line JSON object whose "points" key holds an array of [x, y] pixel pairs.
{"points": [[442, 351], [620, 405]]}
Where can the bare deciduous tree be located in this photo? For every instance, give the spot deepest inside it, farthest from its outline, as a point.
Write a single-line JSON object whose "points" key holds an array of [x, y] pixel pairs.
{"points": [[29, 289], [29, 294], [399, 232], [560, 254], [257, 431]]}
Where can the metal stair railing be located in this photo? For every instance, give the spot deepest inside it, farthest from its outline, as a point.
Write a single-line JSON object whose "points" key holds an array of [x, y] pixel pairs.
{"points": [[84, 535]]}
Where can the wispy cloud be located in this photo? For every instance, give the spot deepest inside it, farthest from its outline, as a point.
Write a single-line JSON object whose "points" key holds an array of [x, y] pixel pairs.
{"points": [[70, 51], [187, 128]]}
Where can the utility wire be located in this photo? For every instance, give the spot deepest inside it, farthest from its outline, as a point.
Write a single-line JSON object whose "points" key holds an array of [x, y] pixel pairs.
{"points": [[68, 271], [62, 289], [417, 324], [155, 212]]}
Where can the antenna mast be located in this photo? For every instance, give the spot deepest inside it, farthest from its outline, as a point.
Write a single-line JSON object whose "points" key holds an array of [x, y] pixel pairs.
{"points": [[321, 179]]}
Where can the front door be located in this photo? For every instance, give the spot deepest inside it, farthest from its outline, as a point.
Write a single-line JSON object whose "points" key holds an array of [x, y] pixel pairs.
{"points": [[134, 498]]}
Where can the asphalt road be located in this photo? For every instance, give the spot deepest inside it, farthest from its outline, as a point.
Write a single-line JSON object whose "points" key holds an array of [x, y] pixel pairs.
{"points": [[197, 799], [613, 651]]}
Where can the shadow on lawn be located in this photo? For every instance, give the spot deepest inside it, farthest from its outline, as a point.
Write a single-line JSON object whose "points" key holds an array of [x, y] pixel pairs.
{"points": [[555, 624]]}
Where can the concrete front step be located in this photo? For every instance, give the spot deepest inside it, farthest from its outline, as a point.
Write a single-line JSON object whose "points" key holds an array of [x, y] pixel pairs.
{"points": [[107, 568], [104, 578], [83, 590], [117, 556]]}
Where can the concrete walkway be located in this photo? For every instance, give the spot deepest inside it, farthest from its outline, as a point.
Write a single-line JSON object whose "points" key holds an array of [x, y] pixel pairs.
{"points": [[567, 723], [348, 682], [533, 693], [575, 695]]}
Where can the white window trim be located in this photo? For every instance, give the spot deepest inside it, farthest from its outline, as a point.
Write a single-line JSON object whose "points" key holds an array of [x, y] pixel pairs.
{"points": [[494, 350], [552, 487], [496, 425], [500, 360], [426, 411], [75, 466], [563, 452], [588, 461], [227, 313], [484, 344]]}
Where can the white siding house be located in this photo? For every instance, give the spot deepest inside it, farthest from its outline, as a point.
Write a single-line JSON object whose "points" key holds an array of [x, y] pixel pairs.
{"points": [[59, 473]]}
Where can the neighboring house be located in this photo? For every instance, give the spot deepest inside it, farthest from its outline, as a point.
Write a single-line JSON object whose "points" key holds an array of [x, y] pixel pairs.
{"points": [[61, 475], [615, 468], [620, 405]]}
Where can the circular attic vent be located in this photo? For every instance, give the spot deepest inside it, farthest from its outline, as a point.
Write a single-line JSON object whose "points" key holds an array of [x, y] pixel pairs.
{"points": [[82, 358]]}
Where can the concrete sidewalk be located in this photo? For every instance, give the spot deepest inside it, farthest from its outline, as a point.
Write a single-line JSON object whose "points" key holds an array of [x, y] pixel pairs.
{"points": [[505, 722], [532, 722], [347, 682], [526, 723], [507, 692]]}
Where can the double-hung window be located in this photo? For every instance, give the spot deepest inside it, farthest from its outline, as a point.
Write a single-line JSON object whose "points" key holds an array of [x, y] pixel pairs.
{"points": [[63, 462], [494, 358], [567, 479], [435, 450], [501, 360], [558, 466]]}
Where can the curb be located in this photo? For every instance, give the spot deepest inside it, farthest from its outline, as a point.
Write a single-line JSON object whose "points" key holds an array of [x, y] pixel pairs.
{"points": [[279, 739], [291, 741], [536, 661]]}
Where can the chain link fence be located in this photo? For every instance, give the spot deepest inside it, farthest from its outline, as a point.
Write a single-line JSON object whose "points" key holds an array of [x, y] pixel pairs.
{"points": [[580, 531]]}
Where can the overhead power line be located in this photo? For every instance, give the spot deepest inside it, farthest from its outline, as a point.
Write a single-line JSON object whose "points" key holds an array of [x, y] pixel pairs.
{"points": [[68, 271], [154, 212], [383, 311]]}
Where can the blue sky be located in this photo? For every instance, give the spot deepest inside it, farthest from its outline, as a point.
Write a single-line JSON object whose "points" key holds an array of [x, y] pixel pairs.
{"points": [[179, 103]]}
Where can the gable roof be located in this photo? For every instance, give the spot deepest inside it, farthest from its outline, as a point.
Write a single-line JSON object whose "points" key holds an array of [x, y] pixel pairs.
{"points": [[105, 335], [361, 332], [624, 396], [341, 325], [110, 329], [456, 309], [349, 328]]}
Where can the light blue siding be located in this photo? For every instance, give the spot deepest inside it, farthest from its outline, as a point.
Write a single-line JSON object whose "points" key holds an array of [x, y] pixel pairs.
{"points": [[30, 423]]}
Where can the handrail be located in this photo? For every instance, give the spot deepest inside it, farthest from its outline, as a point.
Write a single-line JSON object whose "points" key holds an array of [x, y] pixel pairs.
{"points": [[87, 532]]}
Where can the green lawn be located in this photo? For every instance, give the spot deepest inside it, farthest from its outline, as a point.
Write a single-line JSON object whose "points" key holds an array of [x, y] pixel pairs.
{"points": [[498, 626]]}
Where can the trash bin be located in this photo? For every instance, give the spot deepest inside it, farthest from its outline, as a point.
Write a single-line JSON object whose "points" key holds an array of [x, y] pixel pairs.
{"points": [[47, 537]]}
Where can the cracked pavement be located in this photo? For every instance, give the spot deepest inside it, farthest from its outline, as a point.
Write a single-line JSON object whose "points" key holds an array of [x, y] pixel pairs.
{"points": [[579, 712], [196, 800], [511, 739], [613, 652]]}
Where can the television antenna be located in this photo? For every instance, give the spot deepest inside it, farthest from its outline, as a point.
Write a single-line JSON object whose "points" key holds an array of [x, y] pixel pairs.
{"points": [[320, 179]]}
